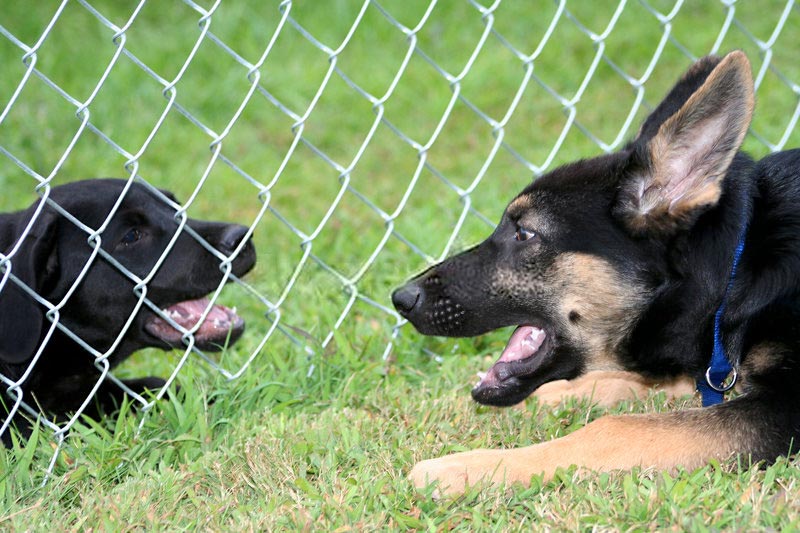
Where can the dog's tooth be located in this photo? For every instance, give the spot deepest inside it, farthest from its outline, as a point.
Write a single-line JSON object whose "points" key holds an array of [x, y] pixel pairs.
{"points": [[529, 341], [481, 375]]}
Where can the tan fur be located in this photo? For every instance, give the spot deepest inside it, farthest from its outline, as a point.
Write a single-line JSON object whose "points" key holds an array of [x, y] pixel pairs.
{"points": [[523, 211], [520, 203], [663, 441], [700, 65], [693, 148], [762, 358], [608, 388], [606, 305]]}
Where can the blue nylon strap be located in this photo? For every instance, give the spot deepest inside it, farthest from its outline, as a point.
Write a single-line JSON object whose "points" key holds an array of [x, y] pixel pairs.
{"points": [[711, 386]]}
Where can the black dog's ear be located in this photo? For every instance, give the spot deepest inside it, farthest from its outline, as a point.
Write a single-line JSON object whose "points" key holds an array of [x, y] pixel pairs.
{"points": [[21, 317], [169, 195], [678, 170]]}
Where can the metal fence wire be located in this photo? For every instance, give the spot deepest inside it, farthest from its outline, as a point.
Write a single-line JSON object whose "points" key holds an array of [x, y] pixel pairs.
{"points": [[357, 140]]}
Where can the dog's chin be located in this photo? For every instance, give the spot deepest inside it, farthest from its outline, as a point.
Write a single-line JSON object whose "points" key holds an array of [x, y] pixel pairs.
{"points": [[524, 365], [221, 326]]}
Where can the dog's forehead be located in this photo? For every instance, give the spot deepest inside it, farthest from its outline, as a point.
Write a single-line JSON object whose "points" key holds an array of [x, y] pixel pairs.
{"points": [[97, 192], [583, 186], [92, 201]]}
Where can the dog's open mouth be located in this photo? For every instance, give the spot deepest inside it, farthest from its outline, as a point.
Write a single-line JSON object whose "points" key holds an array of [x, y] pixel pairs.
{"points": [[222, 325], [526, 351]]}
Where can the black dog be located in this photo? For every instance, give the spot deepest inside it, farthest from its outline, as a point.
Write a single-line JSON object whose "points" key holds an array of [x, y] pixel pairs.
{"points": [[51, 258], [636, 265]]}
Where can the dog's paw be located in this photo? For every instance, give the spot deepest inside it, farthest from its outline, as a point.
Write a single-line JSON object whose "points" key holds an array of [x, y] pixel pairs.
{"points": [[554, 392], [449, 478], [145, 384], [606, 388], [603, 388], [453, 474]]}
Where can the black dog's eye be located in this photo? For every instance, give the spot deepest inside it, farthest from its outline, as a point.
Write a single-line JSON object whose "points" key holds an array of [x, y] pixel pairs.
{"points": [[131, 237], [523, 234]]}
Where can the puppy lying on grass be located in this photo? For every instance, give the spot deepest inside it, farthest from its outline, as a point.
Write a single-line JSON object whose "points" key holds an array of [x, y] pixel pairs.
{"points": [[52, 256], [638, 266]]}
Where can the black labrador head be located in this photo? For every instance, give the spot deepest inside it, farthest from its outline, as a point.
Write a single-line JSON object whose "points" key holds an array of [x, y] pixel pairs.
{"points": [[582, 252], [56, 252]]}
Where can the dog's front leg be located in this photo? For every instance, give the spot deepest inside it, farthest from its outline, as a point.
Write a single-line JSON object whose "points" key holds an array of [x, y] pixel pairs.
{"points": [[607, 388], [662, 441]]}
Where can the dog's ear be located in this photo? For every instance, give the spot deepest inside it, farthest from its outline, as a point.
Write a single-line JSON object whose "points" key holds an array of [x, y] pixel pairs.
{"points": [[169, 195], [21, 317], [677, 171], [689, 83]]}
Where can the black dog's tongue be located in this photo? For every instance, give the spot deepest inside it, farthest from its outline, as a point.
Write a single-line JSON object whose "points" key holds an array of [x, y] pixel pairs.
{"points": [[221, 324], [524, 343]]}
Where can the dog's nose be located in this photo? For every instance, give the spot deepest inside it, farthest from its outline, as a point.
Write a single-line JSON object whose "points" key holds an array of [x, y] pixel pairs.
{"points": [[406, 297], [231, 238]]}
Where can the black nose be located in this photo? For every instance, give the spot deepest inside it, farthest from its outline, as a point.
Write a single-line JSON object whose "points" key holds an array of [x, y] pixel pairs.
{"points": [[231, 238], [406, 297]]}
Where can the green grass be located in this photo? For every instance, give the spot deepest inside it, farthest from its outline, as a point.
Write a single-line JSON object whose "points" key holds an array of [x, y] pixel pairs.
{"points": [[277, 449]]}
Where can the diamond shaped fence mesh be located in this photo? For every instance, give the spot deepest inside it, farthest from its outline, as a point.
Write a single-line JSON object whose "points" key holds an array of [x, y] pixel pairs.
{"points": [[356, 140]]}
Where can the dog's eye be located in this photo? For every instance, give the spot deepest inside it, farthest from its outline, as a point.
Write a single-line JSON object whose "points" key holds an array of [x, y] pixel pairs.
{"points": [[523, 234], [131, 237]]}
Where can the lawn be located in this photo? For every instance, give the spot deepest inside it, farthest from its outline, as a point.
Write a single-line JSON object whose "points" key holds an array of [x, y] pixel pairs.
{"points": [[385, 173]]}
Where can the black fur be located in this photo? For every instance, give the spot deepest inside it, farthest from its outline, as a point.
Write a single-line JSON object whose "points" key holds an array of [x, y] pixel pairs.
{"points": [[50, 259]]}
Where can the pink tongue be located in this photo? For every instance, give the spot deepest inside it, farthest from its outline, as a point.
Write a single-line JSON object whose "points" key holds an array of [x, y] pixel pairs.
{"points": [[187, 313], [218, 322], [524, 342]]}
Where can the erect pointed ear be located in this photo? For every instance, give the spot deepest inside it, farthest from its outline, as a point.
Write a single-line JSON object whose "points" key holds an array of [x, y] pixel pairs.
{"points": [[35, 264], [678, 171], [689, 83]]}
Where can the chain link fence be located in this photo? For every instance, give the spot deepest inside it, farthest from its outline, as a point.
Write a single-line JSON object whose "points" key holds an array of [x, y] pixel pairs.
{"points": [[357, 140]]}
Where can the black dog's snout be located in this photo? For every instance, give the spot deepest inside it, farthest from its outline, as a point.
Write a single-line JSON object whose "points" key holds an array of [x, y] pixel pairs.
{"points": [[231, 238], [227, 238], [406, 297]]}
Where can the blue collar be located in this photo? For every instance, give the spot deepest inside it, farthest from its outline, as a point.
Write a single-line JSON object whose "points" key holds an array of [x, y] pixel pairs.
{"points": [[713, 386]]}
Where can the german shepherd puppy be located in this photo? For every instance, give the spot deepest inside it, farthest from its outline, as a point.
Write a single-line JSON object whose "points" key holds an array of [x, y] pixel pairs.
{"points": [[614, 268]]}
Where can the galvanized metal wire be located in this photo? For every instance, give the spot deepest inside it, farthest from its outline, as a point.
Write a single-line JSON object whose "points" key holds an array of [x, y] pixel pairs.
{"points": [[483, 32]]}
